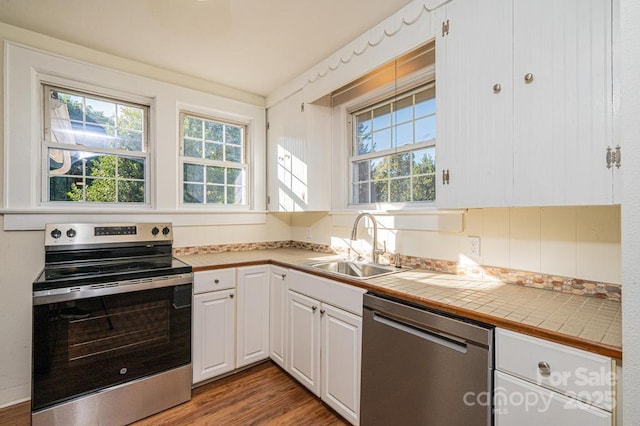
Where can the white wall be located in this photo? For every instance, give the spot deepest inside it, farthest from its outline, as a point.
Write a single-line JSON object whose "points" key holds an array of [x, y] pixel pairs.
{"points": [[579, 242], [629, 136]]}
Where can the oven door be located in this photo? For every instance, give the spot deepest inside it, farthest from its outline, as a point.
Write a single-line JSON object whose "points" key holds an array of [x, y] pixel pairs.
{"points": [[89, 344]]}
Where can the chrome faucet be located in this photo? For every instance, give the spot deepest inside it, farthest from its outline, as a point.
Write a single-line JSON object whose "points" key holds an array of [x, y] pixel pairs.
{"points": [[354, 235]]}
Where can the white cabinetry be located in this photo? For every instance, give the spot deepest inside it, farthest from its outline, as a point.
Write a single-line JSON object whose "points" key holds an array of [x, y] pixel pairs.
{"points": [[214, 315], [253, 315], [524, 104], [325, 339], [299, 155], [278, 315], [540, 382]]}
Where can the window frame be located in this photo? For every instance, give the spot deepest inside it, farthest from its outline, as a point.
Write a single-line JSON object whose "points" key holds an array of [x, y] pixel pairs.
{"points": [[93, 92], [371, 102], [244, 165]]}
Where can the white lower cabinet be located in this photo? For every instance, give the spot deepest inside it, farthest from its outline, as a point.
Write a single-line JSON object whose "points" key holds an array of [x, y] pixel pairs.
{"points": [[213, 343], [253, 315], [541, 382], [278, 315], [325, 339]]}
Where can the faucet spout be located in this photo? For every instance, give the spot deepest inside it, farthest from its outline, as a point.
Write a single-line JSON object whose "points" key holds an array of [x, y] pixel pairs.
{"points": [[354, 234]]}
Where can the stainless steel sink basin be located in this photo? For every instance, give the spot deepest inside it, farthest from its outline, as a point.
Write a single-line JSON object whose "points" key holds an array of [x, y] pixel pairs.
{"points": [[356, 269]]}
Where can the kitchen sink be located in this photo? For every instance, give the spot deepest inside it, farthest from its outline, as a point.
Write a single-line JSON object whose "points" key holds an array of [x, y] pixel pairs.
{"points": [[357, 269]]}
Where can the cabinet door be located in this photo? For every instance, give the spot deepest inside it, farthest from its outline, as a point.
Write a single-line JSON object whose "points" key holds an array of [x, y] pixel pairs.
{"points": [[253, 315], [304, 340], [474, 104], [213, 334], [278, 316], [520, 403], [563, 112], [341, 356]]}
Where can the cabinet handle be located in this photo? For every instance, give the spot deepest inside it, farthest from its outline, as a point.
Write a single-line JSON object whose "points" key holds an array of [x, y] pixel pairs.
{"points": [[231, 296], [313, 308], [216, 281], [284, 276], [618, 156], [528, 78], [322, 311], [497, 88], [544, 368], [609, 157]]}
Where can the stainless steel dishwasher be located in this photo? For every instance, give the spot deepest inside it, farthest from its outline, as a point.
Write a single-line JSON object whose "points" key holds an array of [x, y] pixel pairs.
{"points": [[423, 367]]}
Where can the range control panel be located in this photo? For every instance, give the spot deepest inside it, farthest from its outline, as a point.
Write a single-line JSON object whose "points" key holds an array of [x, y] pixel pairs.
{"points": [[62, 234]]}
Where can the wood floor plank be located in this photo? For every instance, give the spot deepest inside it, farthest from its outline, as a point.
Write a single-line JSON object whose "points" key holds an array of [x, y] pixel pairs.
{"points": [[261, 395]]}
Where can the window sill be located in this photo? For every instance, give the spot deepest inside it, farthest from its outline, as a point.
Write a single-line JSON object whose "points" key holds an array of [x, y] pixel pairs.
{"points": [[30, 220]]}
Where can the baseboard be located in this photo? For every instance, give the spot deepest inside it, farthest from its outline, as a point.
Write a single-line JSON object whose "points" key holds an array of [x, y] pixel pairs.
{"points": [[16, 415]]}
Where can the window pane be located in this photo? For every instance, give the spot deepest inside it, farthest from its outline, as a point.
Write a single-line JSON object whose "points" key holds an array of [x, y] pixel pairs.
{"points": [[130, 191], [74, 105], [380, 191], [233, 153], [192, 127], [215, 175], [400, 165], [425, 103], [213, 131], [193, 148], [424, 161], [400, 190], [235, 176], [130, 117], [131, 168], [361, 193], [424, 188], [363, 123], [426, 129], [235, 195], [101, 165], [215, 194], [382, 117], [193, 173], [130, 140], [100, 111], [379, 168], [101, 190], [233, 135], [404, 134], [193, 193], [361, 171], [364, 144], [63, 188], [213, 151], [382, 140], [403, 110]]}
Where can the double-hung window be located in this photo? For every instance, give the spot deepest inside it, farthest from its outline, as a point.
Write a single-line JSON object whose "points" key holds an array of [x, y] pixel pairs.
{"points": [[95, 148], [214, 169], [393, 149]]}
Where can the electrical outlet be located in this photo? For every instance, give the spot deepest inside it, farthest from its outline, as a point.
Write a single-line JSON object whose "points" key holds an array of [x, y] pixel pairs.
{"points": [[473, 246]]}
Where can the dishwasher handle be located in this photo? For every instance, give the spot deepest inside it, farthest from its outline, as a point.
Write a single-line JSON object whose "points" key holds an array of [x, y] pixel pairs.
{"points": [[423, 334]]}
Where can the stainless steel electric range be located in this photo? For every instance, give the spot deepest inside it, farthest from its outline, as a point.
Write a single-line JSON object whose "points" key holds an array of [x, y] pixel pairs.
{"points": [[111, 325]]}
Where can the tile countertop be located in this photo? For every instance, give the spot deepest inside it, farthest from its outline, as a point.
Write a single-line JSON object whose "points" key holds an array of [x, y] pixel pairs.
{"points": [[583, 322]]}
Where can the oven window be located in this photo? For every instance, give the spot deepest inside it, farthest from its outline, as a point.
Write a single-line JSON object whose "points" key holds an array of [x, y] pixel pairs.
{"points": [[90, 344]]}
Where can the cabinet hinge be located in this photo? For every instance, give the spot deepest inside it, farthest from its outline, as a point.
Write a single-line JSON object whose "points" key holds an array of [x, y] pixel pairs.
{"points": [[268, 200], [445, 28], [302, 107], [268, 124], [614, 157]]}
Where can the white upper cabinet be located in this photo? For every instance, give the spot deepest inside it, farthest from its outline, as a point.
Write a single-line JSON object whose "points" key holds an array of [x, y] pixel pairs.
{"points": [[524, 103], [299, 155], [474, 104]]}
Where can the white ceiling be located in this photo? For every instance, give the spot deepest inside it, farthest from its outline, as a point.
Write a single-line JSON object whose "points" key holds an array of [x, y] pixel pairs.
{"points": [[252, 45]]}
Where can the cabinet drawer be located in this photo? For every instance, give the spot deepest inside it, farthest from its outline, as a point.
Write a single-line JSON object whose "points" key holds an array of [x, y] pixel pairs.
{"points": [[520, 403], [340, 295], [218, 279], [574, 372]]}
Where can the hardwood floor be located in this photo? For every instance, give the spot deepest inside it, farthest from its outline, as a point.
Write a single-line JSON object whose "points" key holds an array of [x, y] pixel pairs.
{"points": [[261, 395]]}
